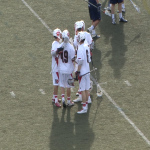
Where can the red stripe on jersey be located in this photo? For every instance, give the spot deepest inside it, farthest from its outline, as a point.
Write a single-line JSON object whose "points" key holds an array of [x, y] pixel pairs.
{"points": [[56, 59]]}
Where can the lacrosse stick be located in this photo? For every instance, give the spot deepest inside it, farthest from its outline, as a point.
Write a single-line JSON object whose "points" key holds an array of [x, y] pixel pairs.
{"points": [[71, 81], [99, 92], [106, 12], [135, 6]]}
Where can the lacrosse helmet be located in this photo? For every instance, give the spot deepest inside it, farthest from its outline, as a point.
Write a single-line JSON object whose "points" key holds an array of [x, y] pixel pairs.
{"points": [[83, 24], [57, 33], [81, 36], [78, 24], [65, 35]]}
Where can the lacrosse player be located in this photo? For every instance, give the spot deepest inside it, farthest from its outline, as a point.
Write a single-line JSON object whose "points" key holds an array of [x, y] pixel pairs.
{"points": [[83, 68], [95, 15], [80, 26], [109, 6], [55, 50], [66, 68], [113, 2]]}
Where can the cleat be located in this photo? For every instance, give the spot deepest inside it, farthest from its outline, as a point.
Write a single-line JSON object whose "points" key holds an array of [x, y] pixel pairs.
{"points": [[122, 20], [82, 111], [57, 104], [64, 105], [70, 103], [123, 10], [79, 99], [89, 100], [113, 21], [89, 30], [95, 36]]}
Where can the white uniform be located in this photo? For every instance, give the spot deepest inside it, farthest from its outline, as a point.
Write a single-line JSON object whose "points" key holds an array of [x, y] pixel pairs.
{"points": [[66, 66], [88, 41], [83, 55], [55, 73]]}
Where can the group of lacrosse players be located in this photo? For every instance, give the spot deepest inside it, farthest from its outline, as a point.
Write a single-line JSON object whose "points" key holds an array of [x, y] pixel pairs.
{"points": [[70, 58], [74, 56]]}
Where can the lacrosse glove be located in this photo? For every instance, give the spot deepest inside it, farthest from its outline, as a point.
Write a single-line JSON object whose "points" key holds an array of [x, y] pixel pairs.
{"points": [[60, 50], [77, 73], [99, 7]]}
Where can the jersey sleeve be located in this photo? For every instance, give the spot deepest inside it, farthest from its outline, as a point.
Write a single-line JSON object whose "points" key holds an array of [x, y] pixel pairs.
{"points": [[89, 39], [54, 48]]}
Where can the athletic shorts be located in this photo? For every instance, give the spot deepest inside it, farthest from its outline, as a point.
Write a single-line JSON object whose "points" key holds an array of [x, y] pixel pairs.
{"points": [[55, 76], [63, 80], [84, 83], [94, 13], [115, 1]]}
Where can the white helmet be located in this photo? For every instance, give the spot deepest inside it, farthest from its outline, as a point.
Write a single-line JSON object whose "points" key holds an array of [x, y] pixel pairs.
{"points": [[83, 24], [57, 33], [81, 36], [65, 34], [78, 25]]}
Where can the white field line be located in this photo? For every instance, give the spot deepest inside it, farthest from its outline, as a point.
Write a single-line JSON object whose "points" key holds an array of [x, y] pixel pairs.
{"points": [[36, 15], [126, 117], [109, 98]]}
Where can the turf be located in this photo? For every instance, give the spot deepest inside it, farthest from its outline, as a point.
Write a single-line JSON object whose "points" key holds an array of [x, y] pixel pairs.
{"points": [[29, 121]]}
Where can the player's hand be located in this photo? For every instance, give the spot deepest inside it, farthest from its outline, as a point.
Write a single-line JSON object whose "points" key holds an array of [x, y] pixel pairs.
{"points": [[60, 50], [77, 73], [99, 7]]}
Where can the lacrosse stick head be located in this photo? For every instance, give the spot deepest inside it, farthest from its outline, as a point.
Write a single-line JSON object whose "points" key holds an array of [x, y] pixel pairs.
{"points": [[71, 82], [137, 9], [91, 86], [99, 91]]}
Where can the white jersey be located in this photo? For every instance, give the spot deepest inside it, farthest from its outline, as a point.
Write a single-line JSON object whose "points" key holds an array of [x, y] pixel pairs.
{"points": [[65, 59], [88, 39], [83, 55], [55, 45]]}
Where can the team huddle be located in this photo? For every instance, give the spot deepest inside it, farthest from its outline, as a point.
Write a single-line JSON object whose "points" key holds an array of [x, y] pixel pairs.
{"points": [[70, 57]]}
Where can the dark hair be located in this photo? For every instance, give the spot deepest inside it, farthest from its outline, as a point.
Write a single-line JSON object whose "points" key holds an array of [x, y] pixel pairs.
{"points": [[79, 29], [82, 40]]}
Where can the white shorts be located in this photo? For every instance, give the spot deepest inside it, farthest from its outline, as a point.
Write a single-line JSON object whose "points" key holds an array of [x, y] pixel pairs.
{"points": [[84, 83], [55, 76], [63, 80]]}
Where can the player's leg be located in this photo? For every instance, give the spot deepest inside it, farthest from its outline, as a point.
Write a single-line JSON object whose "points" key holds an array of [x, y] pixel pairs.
{"points": [[62, 85], [84, 87], [55, 76], [79, 98], [113, 12], [94, 24], [63, 96], [69, 102], [121, 19], [123, 7], [95, 16]]}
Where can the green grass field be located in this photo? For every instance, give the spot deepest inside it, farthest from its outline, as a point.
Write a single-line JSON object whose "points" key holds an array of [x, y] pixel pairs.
{"points": [[120, 120]]}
